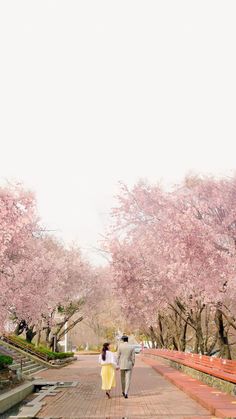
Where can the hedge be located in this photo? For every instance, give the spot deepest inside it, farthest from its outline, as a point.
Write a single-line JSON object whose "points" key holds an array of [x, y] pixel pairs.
{"points": [[5, 360]]}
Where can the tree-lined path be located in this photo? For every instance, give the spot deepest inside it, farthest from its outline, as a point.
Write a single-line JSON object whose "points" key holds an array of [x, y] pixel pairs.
{"points": [[151, 396]]}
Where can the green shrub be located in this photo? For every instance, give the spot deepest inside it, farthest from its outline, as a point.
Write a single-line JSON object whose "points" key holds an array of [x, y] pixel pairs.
{"points": [[61, 355], [54, 355], [41, 349], [5, 360]]}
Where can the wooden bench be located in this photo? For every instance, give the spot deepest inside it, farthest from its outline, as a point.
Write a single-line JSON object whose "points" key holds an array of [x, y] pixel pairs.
{"points": [[221, 368]]}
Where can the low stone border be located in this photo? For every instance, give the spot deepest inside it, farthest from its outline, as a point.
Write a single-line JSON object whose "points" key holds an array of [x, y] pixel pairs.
{"points": [[15, 396], [49, 388], [210, 380], [62, 362]]}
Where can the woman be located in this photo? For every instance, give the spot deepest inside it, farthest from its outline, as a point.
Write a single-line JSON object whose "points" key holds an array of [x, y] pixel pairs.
{"points": [[108, 363]]}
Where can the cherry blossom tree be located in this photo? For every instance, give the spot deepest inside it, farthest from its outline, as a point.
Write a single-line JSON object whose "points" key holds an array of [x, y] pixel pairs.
{"points": [[175, 250], [19, 223], [39, 276]]}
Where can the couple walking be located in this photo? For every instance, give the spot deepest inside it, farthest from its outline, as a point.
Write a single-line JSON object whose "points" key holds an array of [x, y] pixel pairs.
{"points": [[125, 361]]}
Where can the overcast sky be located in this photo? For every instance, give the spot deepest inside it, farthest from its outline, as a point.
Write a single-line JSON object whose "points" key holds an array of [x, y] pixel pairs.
{"points": [[93, 92]]}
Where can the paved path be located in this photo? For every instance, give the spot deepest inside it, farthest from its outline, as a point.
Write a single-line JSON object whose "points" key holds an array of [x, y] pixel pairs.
{"points": [[151, 396]]}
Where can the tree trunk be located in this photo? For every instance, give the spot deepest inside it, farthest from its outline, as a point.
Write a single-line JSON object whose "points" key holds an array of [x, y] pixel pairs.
{"points": [[47, 335], [152, 336], [196, 320], [162, 343], [222, 336], [60, 332], [183, 335], [196, 344], [175, 344], [20, 327], [199, 343], [38, 337], [30, 334]]}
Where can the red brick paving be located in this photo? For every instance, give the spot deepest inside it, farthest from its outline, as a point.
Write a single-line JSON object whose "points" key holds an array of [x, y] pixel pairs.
{"points": [[151, 396]]}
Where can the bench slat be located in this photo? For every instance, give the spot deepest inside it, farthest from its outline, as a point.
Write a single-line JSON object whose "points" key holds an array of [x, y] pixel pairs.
{"points": [[220, 368]]}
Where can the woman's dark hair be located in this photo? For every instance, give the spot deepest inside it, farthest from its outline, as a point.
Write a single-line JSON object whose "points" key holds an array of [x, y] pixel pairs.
{"points": [[104, 349]]}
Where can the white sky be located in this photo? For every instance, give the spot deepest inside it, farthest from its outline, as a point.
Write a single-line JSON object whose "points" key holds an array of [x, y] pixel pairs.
{"points": [[93, 92]]}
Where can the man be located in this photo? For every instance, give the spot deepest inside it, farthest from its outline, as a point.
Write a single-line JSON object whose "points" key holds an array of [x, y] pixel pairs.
{"points": [[125, 360]]}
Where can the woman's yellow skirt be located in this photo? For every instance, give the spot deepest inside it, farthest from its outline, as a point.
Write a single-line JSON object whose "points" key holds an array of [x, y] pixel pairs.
{"points": [[108, 377]]}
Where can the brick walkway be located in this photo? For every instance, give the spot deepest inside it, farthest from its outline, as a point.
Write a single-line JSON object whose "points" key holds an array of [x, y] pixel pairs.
{"points": [[151, 396]]}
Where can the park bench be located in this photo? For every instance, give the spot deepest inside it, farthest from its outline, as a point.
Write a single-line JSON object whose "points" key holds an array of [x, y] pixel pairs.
{"points": [[220, 368]]}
